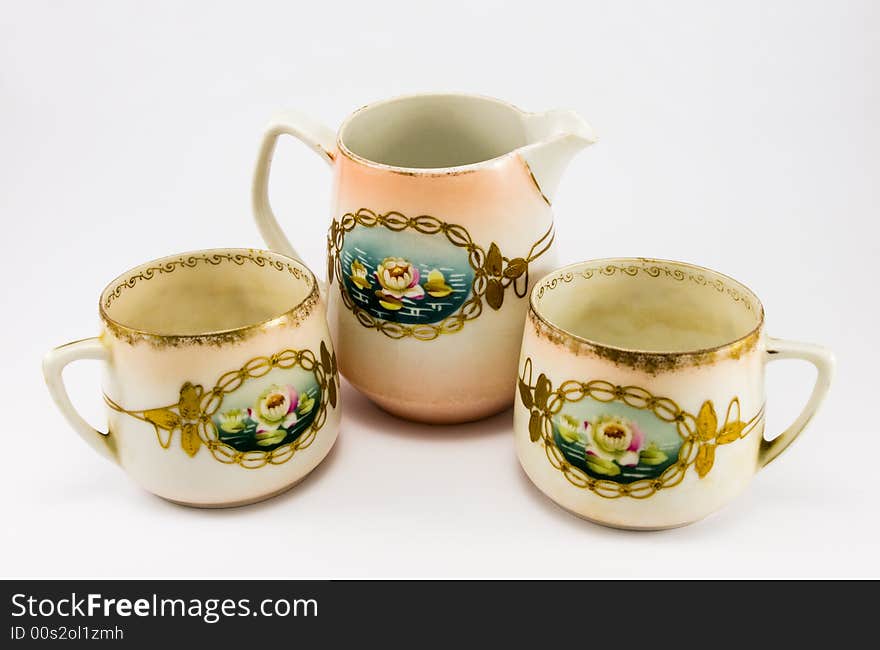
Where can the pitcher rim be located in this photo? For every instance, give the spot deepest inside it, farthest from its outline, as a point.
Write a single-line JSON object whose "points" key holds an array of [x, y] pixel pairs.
{"points": [[423, 171]]}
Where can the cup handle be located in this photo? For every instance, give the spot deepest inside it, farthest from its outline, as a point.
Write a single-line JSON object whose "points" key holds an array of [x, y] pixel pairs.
{"points": [[820, 357], [312, 133], [53, 365]]}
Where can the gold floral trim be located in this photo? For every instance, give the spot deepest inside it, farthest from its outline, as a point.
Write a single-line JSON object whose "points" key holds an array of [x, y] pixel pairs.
{"points": [[701, 434], [192, 414], [650, 362], [293, 317], [493, 272]]}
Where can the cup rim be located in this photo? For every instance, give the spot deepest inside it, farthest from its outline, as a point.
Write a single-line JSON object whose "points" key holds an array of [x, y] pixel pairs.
{"points": [[624, 352], [421, 171], [213, 256]]}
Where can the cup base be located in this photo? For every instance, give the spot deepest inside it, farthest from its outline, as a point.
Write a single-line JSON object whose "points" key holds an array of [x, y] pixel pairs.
{"points": [[438, 413], [606, 524], [641, 529], [236, 504]]}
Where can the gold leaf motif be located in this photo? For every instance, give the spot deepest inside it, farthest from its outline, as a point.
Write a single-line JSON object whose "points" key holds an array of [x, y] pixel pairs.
{"points": [[331, 391], [192, 415], [326, 361], [707, 422], [189, 438], [162, 418], [535, 427], [493, 260], [516, 267], [731, 432], [542, 391], [525, 394], [705, 459], [487, 264], [699, 433], [494, 293], [190, 398]]}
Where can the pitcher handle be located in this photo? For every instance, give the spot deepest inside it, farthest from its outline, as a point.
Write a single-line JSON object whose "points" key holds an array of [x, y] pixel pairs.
{"points": [[53, 365], [820, 357], [312, 133]]}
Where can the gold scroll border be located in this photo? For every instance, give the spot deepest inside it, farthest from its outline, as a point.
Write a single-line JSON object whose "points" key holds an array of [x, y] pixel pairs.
{"points": [[493, 272], [651, 362], [700, 434], [193, 260], [651, 268], [295, 315], [192, 414]]}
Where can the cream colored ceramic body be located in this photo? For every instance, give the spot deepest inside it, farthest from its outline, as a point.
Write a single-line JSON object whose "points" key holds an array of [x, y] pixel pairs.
{"points": [[641, 394], [219, 376], [441, 220]]}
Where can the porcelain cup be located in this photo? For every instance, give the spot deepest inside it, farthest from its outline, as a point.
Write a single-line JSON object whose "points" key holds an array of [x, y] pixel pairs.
{"points": [[440, 220], [640, 401], [219, 376]]}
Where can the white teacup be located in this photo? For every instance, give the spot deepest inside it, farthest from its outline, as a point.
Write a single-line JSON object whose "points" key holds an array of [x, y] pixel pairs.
{"points": [[641, 394], [220, 377]]}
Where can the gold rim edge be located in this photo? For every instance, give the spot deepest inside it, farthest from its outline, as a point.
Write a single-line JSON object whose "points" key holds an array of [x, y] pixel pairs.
{"points": [[293, 317], [651, 362]]}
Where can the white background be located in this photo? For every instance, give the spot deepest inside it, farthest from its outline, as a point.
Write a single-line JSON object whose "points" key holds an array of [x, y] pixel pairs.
{"points": [[743, 136]]}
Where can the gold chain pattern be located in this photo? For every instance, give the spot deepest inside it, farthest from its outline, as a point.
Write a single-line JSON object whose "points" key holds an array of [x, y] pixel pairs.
{"points": [[493, 272], [192, 414], [700, 434]]}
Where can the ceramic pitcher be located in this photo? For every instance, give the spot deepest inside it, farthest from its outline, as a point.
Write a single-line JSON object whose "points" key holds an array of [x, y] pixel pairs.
{"points": [[440, 221]]}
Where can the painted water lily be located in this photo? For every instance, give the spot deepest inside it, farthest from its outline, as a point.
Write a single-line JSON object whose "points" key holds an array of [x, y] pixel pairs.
{"points": [[652, 455], [436, 285], [306, 404], [233, 420], [274, 413], [571, 429], [399, 279], [615, 439], [359, 275]]}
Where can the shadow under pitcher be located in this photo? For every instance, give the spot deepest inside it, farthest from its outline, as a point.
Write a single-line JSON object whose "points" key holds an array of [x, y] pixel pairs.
{"points": [[440, 222]]}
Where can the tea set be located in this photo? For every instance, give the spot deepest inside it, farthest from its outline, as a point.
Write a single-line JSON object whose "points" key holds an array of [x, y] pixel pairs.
{"points": [[637, 384]]}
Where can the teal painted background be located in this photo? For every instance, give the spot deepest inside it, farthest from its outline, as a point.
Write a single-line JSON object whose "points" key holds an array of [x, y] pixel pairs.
{"points": [[246, 397], [426, 252], [663, 434]]}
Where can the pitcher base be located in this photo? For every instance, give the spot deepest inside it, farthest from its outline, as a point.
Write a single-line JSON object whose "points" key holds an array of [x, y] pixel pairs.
{"points": [[439, 413]]}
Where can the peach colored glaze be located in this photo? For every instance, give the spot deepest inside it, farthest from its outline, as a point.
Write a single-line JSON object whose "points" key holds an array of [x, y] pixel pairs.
{"points": [[463, 375]]}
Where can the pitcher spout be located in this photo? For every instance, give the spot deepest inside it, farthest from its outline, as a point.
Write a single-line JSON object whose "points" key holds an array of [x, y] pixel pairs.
{"points": [[554, 138]]}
